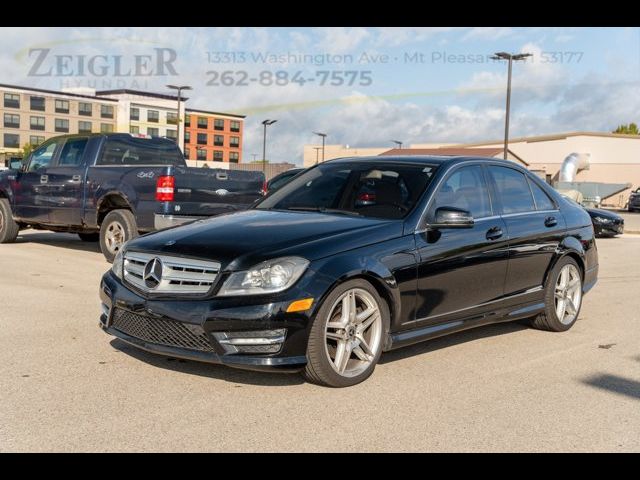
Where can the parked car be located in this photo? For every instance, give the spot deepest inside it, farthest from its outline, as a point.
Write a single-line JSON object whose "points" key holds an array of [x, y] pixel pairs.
{"points": [[309, 280], [634, 201], [282, 179], [111, 187], [605, 222]]}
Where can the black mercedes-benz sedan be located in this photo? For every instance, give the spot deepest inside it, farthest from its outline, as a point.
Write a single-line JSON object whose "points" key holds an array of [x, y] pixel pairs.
{"points": [[605, 222], [318, 278]]}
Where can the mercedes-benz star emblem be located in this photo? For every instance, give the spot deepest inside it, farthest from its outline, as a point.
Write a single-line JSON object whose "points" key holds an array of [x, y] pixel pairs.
{"points": [[152, 273]]}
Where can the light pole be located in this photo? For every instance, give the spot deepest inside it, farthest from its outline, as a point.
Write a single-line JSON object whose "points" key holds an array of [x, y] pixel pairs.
{"points": [[398, 143], [510, 58], [179, 89], [265, 123], [317, 149], [323, 135], [254, 155]]}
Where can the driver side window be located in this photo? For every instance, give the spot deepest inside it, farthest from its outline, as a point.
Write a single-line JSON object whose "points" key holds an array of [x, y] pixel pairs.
{"points": [[42, 157], [466, 189]]}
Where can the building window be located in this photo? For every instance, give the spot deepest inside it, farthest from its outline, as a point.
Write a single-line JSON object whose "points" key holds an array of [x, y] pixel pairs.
{"points": [[11, 140], [153, 116], [154, 132], [84, 127], [62, 106], [11, 121], [187, 137], [201, 154], [37, 103], [218, 140], [35, 140], [218, 156], [218, 124], [172, 118], [187, 120], [235, 126], [186, 154], [85, 109], [134, 113], [106, 111], [234, 157], [11, 100], [202, 139], [134, 129], [37, 123], [234, 142], [172, 134], [203, 122], [62, 125], [106, 128]]}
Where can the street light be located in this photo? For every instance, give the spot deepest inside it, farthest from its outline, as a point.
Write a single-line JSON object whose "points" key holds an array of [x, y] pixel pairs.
{"points": [[323, 135], [317, 149], [264, 145], [398, 143], [510, 57], [179, 89]]}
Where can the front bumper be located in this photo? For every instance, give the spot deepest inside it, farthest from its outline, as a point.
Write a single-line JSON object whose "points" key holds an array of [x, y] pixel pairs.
{"points": [[609, 228], [160, 222], [164, 327]]}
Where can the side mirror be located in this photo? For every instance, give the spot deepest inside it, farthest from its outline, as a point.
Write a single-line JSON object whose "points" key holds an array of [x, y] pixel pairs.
{"points": [[16, 164], [450, 217]]}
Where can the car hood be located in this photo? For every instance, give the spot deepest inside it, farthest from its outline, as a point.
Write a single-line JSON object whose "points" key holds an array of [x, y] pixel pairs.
{"points": [[240, 240], [597, 212]]}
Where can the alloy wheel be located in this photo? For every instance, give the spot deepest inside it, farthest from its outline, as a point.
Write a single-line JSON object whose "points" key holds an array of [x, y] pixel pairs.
{"points": [[114, 237], [568, 294]]}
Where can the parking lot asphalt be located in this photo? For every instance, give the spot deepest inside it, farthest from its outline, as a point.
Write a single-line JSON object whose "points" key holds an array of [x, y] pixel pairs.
{"points": [[66, 386]]}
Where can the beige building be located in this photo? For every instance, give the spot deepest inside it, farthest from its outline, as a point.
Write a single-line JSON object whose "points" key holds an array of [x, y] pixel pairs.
{"points": [[314, 152], [491, 152], [32, 115]]}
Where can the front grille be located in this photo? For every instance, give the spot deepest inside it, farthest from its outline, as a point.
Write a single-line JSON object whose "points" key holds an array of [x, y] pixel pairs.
{"points": [[173, 275], [161, 332]]}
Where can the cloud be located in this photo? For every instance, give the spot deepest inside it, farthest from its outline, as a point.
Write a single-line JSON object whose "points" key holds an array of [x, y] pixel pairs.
{"points": [[487, 33]]}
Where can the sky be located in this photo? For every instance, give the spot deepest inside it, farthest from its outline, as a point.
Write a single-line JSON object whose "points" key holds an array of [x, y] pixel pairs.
{"points": [[362, 86]]}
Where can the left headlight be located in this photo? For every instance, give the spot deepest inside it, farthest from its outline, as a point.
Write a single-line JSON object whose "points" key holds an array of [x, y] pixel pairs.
{"points": [[118, 262], [267, 277], [602, 220]]}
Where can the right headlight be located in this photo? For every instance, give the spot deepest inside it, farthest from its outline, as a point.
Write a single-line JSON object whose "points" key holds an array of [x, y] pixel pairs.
{"points": [[267, 277]]}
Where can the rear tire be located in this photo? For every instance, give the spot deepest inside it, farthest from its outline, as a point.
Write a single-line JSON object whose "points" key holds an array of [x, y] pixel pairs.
{"points": [[118, 227], [347, 335], [89, 237], [563, 297], [8, 227]]}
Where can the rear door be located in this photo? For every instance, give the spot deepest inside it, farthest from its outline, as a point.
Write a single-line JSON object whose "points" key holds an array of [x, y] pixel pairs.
{"points": [[32, 195], [66, 182], [534, 224]]}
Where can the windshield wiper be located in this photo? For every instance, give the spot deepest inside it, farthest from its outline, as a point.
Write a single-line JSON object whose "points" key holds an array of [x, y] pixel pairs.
{"points": [[325, 210]]}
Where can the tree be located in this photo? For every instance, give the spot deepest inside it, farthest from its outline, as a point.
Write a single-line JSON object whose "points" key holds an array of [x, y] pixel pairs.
{"points": [[205, 165], [630, 129], [26, 150]]}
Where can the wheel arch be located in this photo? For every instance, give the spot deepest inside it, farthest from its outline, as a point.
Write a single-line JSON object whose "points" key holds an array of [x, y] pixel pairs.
{"points": [[570, 247], [109, 202]]}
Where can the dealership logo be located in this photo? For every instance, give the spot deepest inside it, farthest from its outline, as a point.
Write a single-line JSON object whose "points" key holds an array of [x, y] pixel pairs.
{"points": [[152, 275]]}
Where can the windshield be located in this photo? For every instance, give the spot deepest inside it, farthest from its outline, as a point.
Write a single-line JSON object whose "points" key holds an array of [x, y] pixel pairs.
{"points": [[379, 190]]}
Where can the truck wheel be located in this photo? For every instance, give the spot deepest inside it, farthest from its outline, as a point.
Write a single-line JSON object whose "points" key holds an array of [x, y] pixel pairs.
{"points": [[89, 237], [117, 227], [8, 228]]}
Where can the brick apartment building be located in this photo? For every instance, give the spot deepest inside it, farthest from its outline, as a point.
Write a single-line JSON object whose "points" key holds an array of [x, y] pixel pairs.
{"points": [[213, 136]]}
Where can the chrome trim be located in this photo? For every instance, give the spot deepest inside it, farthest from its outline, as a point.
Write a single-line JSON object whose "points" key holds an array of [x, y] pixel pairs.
{"points": [[160, 222], [179, 275], [526, 292], [252, 341], [509, 215]]}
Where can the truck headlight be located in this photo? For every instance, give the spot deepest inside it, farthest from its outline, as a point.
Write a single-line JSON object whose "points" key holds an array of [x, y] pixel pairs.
{"points": [[118, 262], [267, 277]]}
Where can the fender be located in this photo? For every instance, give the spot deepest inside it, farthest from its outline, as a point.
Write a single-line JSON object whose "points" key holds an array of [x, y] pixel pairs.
{"points": [[104, 196], [568, 246]]}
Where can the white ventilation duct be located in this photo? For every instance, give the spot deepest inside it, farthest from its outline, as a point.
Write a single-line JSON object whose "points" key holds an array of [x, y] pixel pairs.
{"points": [[571, 165]]}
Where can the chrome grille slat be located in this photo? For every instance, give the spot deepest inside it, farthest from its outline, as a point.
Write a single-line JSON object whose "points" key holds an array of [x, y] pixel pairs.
{"points": [[179, 275]]}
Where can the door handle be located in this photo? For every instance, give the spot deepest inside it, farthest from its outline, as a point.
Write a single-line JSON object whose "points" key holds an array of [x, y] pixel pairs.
{"points": [[494, 233], [76, 178], [44, 178], [550, 222]]}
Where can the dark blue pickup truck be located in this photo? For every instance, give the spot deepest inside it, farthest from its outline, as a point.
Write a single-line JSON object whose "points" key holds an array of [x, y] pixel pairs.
{"points": [[111, 187]]}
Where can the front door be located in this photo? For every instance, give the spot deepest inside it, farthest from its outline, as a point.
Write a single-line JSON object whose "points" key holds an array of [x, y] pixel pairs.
{"points": [[460, 269]]}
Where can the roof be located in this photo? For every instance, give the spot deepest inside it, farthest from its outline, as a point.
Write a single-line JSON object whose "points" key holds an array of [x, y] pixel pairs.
{"points": [[552, 136], [452, 151], [207, 112], [164, 96], [56, 92]]}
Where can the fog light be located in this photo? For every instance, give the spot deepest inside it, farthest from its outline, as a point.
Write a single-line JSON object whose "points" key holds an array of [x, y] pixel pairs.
{"points": [[300, 305], [255, 341]]}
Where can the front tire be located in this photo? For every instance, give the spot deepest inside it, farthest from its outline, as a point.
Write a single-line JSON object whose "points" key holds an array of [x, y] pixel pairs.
{"points": [[8, 227], [118, 227], [347, 335], [563, 297]]}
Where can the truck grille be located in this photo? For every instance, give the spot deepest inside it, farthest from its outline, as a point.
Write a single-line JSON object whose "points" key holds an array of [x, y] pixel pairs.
{"points": [[169, 275], [161, 332]]}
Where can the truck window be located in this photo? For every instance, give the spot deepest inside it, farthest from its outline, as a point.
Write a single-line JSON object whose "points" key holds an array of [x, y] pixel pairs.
{"points": [[72, 152], [140, 151], [41, 157]]}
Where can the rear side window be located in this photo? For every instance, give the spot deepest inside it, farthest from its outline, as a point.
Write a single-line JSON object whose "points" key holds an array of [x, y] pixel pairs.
{"points": [[72, 152], [140, 151], [513, 190], [543, 202]]}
